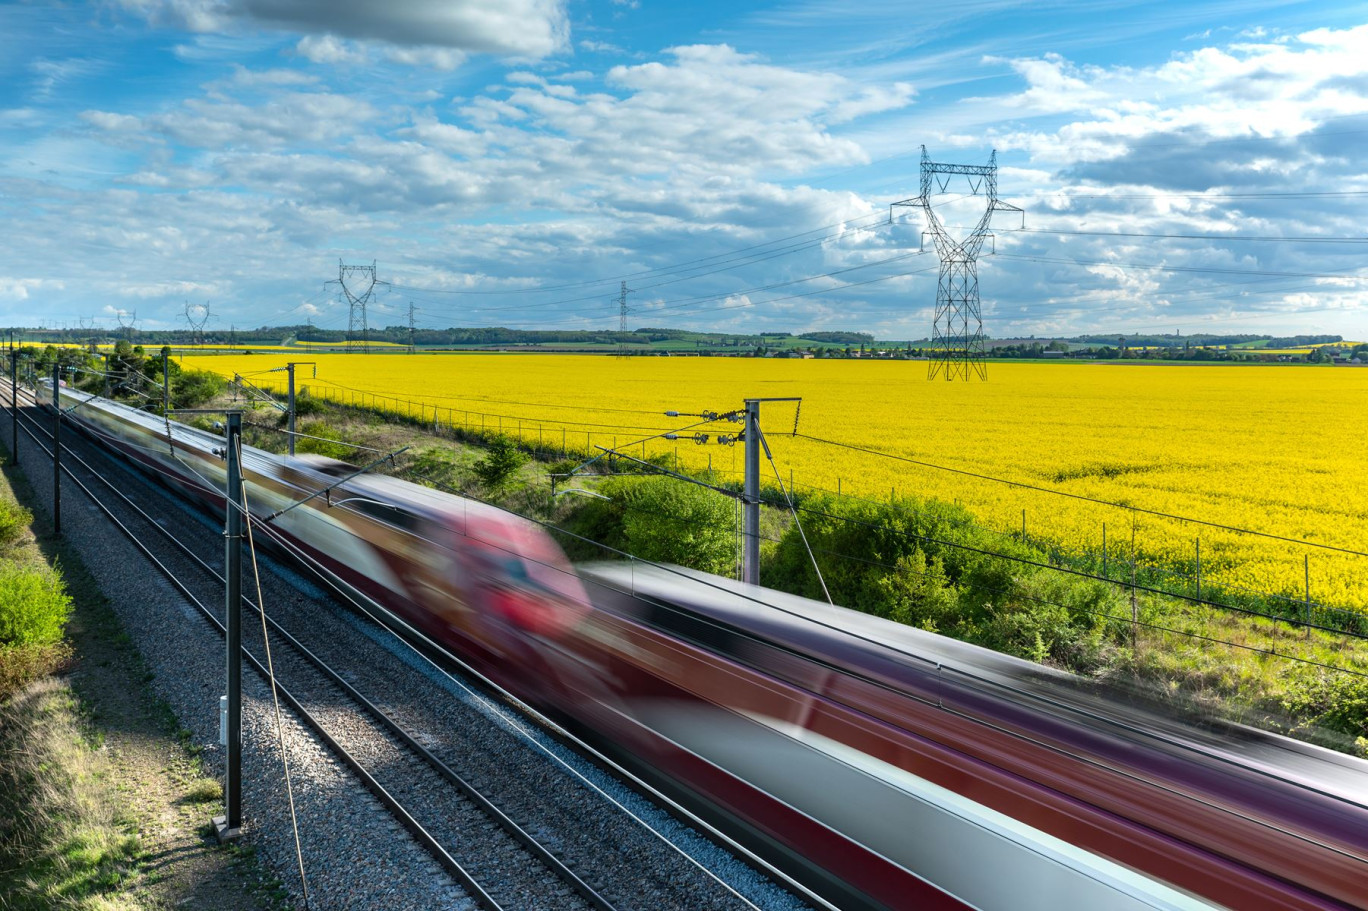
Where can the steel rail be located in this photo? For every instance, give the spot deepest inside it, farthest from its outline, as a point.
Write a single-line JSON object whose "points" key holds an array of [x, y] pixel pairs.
{"points": [[555, 866], [425, 647]]}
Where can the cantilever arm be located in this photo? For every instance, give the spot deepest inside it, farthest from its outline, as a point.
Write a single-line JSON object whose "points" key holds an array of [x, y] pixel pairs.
{"points": [[322, 490]]}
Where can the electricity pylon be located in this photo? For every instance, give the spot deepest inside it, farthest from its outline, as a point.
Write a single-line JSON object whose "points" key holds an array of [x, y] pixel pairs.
{"points": [[196, 316], [129, 327], [358, 331], [622, 312], [957, 330]]}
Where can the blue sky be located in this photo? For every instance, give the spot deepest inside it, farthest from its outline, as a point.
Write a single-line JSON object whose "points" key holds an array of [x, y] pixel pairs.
{"points": [[1183, 166]]}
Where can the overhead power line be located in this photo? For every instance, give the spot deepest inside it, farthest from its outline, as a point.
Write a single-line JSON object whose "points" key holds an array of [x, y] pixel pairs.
{"points": [[1250, 238], [706, 262], [1327, 194], [1163, 268]]}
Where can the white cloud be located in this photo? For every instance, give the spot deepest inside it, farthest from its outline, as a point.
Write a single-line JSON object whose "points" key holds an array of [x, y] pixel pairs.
{"points": [[19, 288], [158, 289], [329, 49], [602, 47], [287, 117], [532, 28], [438, 58], [245, 78]]}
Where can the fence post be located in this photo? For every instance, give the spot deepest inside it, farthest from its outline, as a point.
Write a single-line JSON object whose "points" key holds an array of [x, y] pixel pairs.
{"points": [[1104, 549], [1135, 606], [1023, 524], [1199, 569], [1306, 566]]}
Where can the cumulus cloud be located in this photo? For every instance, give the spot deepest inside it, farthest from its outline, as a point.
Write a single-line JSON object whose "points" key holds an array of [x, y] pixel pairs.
{"points": [[18, 288], [531, 28], [288, 117], [329, 49]]}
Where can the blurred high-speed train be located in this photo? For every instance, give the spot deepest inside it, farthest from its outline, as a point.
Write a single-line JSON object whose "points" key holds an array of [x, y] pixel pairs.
{"points": [[886, 766]]}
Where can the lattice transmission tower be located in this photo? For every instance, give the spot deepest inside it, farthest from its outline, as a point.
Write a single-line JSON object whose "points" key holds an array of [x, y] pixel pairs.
{"points": [[351, 280], [196, 317], [127, 328], [957, 330], [622, 313]]}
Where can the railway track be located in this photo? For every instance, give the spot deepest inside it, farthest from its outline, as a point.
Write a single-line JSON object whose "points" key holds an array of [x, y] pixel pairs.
{"points": [[510, 819]]}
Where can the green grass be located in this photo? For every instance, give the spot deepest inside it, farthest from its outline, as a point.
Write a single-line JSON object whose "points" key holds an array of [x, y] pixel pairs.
{"points": [[65, 840], [204, 790]]}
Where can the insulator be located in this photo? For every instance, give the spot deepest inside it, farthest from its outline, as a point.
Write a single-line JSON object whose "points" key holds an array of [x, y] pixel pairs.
{"points": [[700, 438]]}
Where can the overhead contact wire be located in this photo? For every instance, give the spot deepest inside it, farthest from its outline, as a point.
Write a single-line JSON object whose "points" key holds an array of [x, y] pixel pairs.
{"points": [[270, 668]]}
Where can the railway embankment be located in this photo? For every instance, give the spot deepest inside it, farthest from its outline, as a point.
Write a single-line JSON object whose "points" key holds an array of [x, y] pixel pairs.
{"points": [[103, 797]]}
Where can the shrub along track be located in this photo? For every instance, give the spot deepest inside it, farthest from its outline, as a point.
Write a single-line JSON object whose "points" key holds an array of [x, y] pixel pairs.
{"points": [[450, 776]]}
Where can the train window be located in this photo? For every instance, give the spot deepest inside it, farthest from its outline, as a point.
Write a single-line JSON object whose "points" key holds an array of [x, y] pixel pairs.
{"points": [[332, 468], [387, 513], [703, 632]]}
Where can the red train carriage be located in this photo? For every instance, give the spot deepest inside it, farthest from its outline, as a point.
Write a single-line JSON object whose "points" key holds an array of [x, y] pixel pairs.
{"points": [[892, 759]]}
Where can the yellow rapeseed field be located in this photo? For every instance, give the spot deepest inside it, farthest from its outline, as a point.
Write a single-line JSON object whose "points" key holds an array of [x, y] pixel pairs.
{"points": [[1280, 450]]}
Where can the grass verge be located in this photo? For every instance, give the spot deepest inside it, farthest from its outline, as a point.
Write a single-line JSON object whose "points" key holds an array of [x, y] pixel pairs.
{"points": [[65, 840], [102, 795]]}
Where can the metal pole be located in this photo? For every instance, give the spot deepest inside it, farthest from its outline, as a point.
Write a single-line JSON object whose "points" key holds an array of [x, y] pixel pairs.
{"points": [[166, 384], [56, 450], [751, 553], [229, 825], [1104, 548], [291, 413], [14, 401]]}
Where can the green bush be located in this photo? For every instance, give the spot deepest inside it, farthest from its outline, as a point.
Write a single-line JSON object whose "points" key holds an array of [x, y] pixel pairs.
{"points": [[591, 519], [195, 387], [673, 521], [660, 519], [923, 563], [307, 406], [34, 605], [329, 442], [22, 664], [13, 520], [500, 463], [1320, 698]]}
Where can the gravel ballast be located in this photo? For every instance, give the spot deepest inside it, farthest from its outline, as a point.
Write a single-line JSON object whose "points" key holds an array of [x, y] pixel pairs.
{"points": [[355, 854]]}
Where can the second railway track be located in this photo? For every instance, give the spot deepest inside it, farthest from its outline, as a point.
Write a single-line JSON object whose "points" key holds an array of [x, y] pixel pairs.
{"points": [[512, 821]]}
